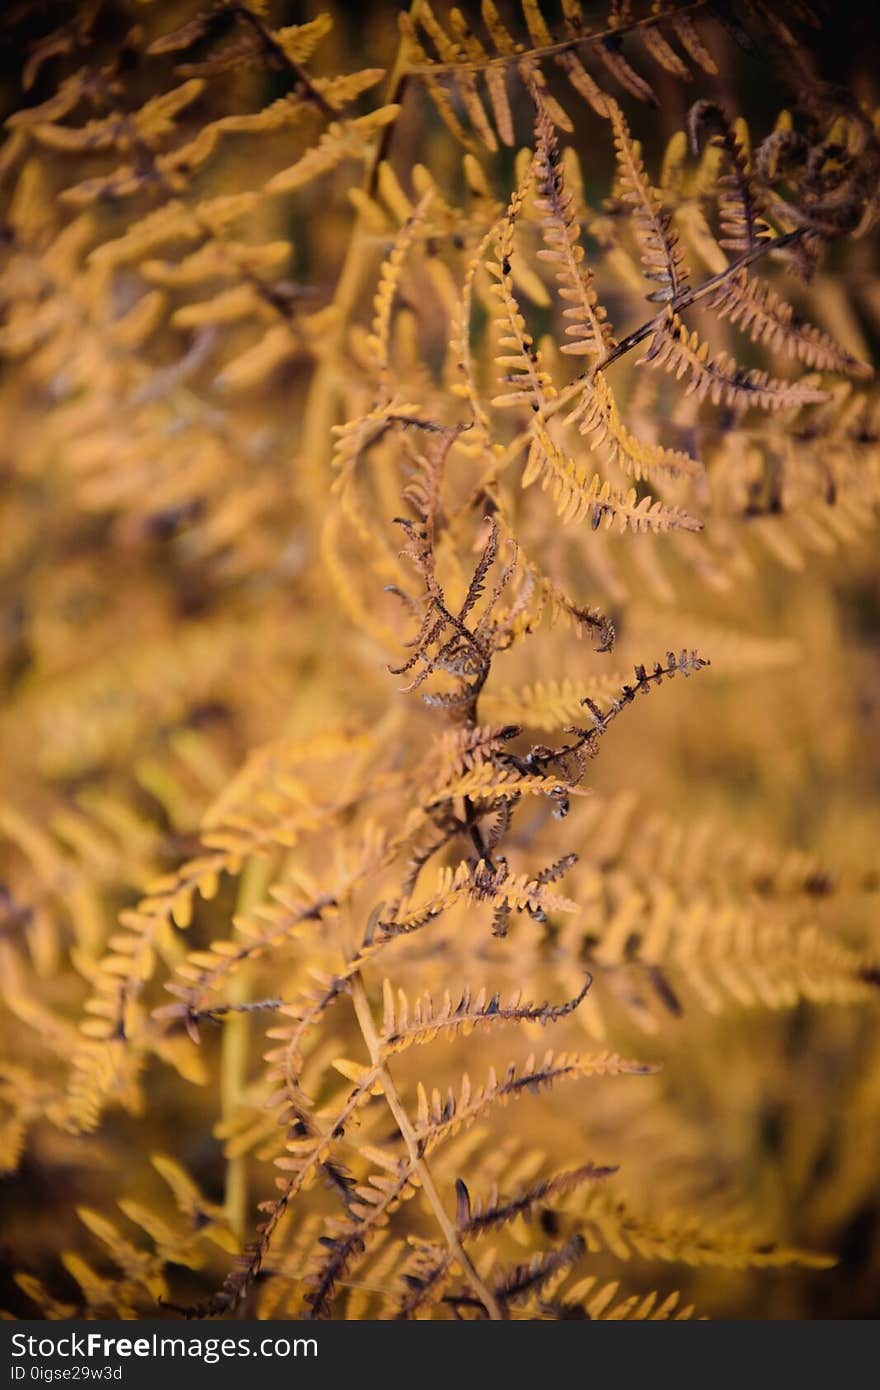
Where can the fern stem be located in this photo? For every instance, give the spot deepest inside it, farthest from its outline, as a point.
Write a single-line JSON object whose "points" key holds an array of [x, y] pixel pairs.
{"points": [[395, 1105], [234, 1051]]}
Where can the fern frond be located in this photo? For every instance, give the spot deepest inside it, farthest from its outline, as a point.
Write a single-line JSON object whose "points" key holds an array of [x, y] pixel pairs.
{"points": [[450, 50], [460, 342], [341, 140], [476, 1217], [439, 1117], [586, 318], [488, 783], [608, 1223], [676, 350], [370, 1205], [515, 891], [149, 125], [661, 254], [597, 415], [527, 381], [550, 704], [601, 1303], [739, 201], [389, 279], [458, 751], [541, 596], [689, 38], [755, 308], [496, 88], [404, 1025], [529, 1280], [578, 497], [731, 955]]}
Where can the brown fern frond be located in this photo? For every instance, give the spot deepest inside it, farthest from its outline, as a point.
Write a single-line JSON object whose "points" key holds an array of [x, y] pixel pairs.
{"points": [[475, 1217], [404, 1024], [739, 201], [529, 1280]]}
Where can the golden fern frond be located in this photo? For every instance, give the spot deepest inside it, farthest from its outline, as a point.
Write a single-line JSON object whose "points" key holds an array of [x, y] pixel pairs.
{"points": [[719, 378], [345, 1241], [150, 125], [422, 1281], [732, 954], [177, 165], [524, 376], [754, 307], [662, 52], [550, 704], [341, 140], [139, 1267], [474, 1218], [462, 58], [742, 226], [688, 36], [247, 819], [734, 650], [578, 496], [181, 1241], [298, 41], [253, 42], [460, 344], [661, 254], [540, 596], [25, 1099], [597, 415], [458, 751], [174, 220], [707, 857], [389, 279], [174, 564], [517, 892], [488, 782], [586, 318], [609, 1223], [533, 1280], [603, 1303], [349, 592], [217, 261], [204, 971], [465, 46], [494, 78], [439, 1117], [405, 1024], [50, 1307]]}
